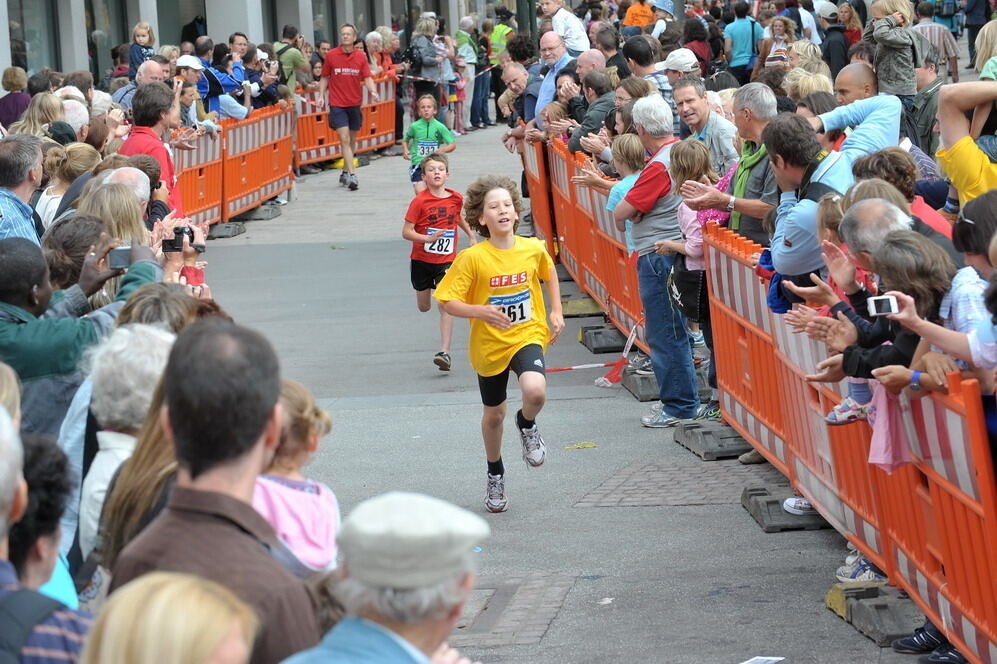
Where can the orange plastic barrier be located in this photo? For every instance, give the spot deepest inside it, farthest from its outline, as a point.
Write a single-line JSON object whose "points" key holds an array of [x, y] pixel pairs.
{"points": [[258, 162], [931, 525], [538, 184], [565, 211], [199, 176], [316, 141]]}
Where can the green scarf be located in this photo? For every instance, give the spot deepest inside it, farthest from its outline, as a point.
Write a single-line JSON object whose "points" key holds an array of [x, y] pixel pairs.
{"points": [[751, 154]]}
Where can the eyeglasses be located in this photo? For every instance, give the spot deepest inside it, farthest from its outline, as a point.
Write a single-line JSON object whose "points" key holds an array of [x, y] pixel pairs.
{"points": [[965, 219]]}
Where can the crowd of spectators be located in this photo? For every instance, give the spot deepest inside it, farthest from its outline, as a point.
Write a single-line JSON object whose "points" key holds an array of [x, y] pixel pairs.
{"points": [[153, 453], [827, 135]]}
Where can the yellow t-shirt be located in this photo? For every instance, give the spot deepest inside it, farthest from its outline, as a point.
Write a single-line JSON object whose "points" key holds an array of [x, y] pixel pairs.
{"points": [[509, 278], [969, 169]]}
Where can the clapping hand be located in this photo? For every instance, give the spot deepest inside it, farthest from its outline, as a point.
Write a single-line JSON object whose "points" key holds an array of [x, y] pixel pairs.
{"points": [[838, 333], [820, 293]]}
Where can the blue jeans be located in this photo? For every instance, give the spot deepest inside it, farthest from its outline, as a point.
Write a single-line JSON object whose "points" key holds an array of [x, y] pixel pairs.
{"points": [[671, 352], [479, 102]]}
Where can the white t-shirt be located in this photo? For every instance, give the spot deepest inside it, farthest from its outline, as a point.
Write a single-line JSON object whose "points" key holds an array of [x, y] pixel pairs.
{"points": [[571, 29], [809, 22], [46, 206]]}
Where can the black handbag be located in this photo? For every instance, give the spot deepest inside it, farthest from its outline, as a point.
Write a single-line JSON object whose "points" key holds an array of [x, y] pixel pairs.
{"points": [[688, 290]]}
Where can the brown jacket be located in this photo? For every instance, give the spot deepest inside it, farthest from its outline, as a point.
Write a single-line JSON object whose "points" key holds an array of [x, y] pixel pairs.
{"points": [[224, 539]]}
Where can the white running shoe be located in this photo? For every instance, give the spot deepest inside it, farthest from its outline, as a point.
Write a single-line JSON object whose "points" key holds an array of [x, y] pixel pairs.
{"points": [[495, 500], [534, 450]]}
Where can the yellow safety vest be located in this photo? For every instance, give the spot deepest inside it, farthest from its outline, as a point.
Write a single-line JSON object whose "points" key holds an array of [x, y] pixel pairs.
{"points": [[500, 34]]}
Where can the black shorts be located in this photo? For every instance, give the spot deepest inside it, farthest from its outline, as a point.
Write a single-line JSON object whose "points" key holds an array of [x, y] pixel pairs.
{"points": [[426, 276], [493, 388], [342, 116], [415, 173]]}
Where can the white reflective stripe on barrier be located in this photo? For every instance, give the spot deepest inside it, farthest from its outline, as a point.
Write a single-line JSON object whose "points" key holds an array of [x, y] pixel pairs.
{"points": [[755, 428], [802, 351], [604, 218], [559, 176], [952, 619], [628, 322], [532, 164], [740, 290], [206, 150], [593, 283], [938, 437]]}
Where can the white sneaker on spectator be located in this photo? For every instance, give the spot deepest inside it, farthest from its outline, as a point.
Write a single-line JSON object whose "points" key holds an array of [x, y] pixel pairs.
{"points": [[798, 505]]}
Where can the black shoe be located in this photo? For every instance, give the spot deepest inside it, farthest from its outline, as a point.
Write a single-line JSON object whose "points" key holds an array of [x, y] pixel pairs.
{"points": [[351, 182], [945, 654], [918, 643]]}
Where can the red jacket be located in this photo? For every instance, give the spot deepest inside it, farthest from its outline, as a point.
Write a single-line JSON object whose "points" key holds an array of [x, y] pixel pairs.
{"points": [[143, 140]]}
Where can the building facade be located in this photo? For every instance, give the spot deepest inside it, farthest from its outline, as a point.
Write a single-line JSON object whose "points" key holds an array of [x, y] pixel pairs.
{"points": [[69, 35]]}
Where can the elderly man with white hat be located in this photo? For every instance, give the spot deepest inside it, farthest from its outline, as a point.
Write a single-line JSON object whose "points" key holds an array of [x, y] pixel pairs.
{"points": [[405, 572]]}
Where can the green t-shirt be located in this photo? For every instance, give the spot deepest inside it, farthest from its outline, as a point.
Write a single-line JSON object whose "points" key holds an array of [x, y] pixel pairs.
{"points": [[290, 61], [425, 137], [989, 72]]}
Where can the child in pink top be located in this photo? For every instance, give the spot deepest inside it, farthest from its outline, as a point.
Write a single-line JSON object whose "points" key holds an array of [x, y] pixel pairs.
{"points": [[690, 160], [303, 513]]}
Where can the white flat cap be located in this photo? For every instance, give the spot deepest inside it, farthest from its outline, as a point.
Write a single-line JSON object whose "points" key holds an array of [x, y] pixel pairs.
{"points": [[681, 59], [407, 540]]}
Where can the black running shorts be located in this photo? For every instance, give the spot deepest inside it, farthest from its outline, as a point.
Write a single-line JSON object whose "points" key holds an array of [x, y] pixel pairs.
{"points": [[493, 388]]}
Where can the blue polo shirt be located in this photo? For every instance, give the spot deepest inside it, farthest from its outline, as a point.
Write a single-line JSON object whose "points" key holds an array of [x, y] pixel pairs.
{"points": [[742, 33], [547, 90], [15, 217]]}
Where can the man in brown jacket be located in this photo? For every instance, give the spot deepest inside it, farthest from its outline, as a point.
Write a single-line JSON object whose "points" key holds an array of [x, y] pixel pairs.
{"points": [[223, 418]]}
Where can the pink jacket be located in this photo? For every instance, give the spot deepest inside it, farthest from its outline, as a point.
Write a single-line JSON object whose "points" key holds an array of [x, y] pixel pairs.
{"points": [[305, 516]]}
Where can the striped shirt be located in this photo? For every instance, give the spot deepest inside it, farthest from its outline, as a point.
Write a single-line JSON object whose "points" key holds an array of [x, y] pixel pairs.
{"points": [[941, 38], [15, 217], [57, 639]]}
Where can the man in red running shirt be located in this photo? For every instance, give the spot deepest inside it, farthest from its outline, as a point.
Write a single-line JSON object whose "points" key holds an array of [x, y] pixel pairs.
{"points": [[344, 71]]}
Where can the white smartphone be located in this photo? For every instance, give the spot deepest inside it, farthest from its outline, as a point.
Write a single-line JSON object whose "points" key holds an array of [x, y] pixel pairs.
{"points": [[881, 305]]}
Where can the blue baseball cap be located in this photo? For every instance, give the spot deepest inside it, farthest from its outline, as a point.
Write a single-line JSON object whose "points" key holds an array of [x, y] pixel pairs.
{"points": [[664, 5]]}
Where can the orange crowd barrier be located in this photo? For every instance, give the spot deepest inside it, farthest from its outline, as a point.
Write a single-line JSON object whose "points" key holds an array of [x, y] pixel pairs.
{"points": [[538, 185], [931, 525], [252, 160], [258, 162], [199, 176], [316, 141]]}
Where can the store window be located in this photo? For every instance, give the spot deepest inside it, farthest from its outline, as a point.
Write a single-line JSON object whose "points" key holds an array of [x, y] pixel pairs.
{"points": [[324, 26], [105, 30], [34, 40], [365, 17]]}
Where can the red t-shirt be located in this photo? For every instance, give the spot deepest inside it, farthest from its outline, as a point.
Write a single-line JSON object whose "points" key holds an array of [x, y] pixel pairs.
{"points": [[429, 214], [346, 73], [930, 216], [653, 183], [143, 140]]}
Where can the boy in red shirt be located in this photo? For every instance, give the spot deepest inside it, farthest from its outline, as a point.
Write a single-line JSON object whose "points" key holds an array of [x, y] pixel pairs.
{"points": [[344, 71], [155, 110], [431, 226]]}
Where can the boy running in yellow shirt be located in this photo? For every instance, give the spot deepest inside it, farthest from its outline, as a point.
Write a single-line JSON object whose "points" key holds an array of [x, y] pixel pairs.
{"points": [[496, 284]]}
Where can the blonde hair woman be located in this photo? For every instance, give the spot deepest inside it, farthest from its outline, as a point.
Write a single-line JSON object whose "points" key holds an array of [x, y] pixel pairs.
{"points": [[63, 165], [116, 206], [804, 54], [799, 83], [43, 109], [850, 19], [986, 44], [172, 618]]}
